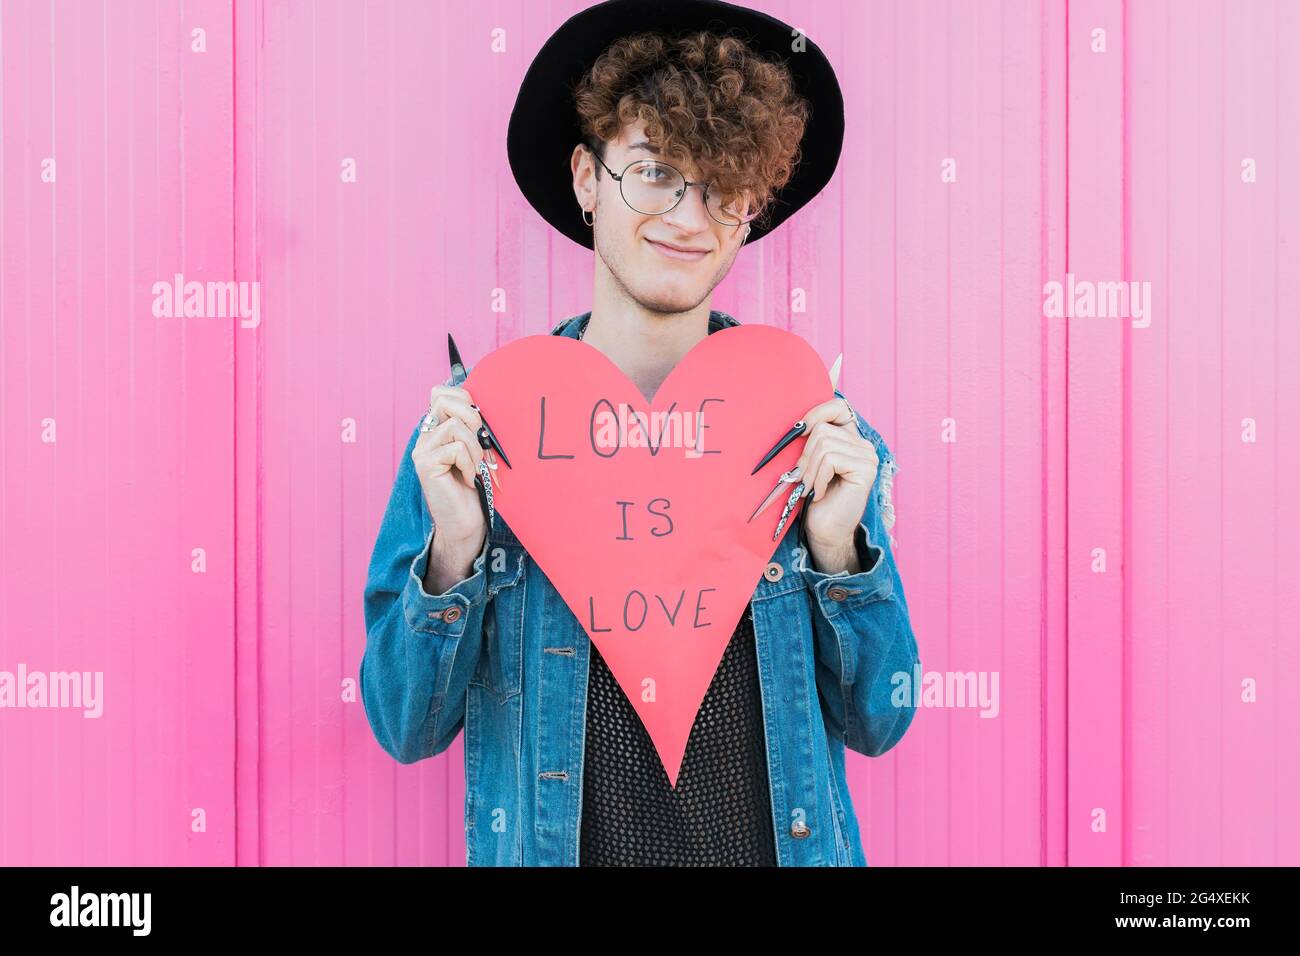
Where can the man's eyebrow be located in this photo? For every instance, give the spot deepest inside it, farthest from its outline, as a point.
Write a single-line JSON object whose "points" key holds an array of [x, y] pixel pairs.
{"points": [[644, 145]]}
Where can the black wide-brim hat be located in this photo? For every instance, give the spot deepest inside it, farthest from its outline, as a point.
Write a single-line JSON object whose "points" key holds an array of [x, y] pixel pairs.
{"points": [[544, 125]]}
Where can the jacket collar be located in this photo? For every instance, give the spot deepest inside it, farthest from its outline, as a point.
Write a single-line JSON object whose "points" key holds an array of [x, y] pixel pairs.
{"points": [[572, 326]]}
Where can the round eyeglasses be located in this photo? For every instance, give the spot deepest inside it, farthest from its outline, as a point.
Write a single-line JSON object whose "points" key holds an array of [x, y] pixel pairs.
{"points": [[653, 188]]}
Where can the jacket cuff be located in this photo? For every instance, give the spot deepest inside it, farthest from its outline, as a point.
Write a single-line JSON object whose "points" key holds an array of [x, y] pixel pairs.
{"points": [[443, 614], [842, 590]]}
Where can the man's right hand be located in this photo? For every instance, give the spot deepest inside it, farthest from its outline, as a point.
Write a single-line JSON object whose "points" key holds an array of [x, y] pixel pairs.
{"points": [[446, 462]]}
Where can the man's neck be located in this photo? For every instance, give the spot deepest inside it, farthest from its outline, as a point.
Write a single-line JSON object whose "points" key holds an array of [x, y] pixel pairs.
{"points": [[646, 346]]}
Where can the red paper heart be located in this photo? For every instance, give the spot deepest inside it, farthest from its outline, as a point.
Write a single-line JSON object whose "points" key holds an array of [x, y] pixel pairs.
{"points": [[682, 541]]}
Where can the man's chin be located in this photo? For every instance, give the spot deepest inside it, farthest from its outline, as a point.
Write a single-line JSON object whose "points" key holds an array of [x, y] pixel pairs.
{"points": [[669, 303], [673, 286], [668, 291]]}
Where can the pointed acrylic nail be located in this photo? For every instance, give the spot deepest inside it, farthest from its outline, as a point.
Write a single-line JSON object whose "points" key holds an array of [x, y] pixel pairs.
{"points": [[458, 373], [785, 479], [490, 441], [493, 438], [789, 505], [835, 372], [803, 522], [799, 428], [484, 484], [486, 444]]}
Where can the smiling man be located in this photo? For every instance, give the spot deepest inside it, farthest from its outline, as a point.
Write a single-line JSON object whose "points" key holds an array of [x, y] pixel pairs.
{"points": [[665, 135], [655, 271]]}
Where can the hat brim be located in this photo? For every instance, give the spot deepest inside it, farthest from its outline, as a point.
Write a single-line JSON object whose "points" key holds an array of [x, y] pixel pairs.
{"points": [[544, 125]]}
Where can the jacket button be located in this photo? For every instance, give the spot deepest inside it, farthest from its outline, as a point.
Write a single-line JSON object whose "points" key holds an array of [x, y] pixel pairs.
{"points": [[799, 831], [773, 572], [451, 615], [837, 593]]}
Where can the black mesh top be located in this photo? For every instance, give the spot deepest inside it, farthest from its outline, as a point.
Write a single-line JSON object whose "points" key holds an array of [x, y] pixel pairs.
{"points": [[721, 812]]}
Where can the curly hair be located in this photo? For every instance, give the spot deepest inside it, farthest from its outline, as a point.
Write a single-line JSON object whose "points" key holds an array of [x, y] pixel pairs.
{"points": [[703, 96]]}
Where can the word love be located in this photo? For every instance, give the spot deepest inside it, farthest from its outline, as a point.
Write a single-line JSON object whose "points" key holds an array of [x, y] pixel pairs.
{"points": [[636, 610], [610, 429]]}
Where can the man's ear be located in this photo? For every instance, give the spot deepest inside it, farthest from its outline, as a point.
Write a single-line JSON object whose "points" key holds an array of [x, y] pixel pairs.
{"points": [[583, 167]]}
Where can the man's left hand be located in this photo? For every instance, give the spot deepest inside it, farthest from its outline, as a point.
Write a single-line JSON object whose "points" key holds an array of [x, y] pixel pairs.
{"points": [[840, 466]]}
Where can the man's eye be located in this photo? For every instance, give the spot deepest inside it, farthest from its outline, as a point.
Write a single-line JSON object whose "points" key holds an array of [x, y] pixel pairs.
{"points": [[741, 205]]}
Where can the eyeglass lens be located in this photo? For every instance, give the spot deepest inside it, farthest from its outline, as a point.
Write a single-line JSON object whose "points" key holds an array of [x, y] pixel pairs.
{"points": [[652, 188]]}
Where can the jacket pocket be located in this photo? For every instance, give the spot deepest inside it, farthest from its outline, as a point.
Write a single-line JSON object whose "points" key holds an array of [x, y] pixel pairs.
{"points": [[500, 665]]}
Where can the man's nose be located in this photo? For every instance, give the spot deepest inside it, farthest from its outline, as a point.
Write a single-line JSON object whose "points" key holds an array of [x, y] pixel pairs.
{"points": [[691, 214]]}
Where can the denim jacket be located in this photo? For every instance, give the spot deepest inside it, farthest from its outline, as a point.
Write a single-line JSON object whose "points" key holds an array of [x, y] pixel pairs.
{"points": [[501, 655]]}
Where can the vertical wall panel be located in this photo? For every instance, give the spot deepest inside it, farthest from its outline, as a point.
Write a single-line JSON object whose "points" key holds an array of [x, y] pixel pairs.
{"points": [[1151, 128], [1286, 357], [247, 32], [1247, 330], [1095, 552], [1213, 666], [117, 517], [921, 317]]}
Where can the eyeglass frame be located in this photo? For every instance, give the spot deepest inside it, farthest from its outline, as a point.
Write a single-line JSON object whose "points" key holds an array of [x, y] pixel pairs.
{"points": [[618, 178]]}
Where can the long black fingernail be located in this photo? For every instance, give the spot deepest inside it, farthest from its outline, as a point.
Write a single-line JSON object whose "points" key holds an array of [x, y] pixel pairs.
{"points": [[798, 429], [495, 441]]}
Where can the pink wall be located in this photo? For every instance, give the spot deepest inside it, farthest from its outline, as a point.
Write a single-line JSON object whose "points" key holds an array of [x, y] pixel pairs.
{"points": [[1098, 534]]}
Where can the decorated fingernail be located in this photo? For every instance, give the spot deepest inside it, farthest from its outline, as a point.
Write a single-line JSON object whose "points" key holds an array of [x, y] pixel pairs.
{"points": [[485, 493], [789, 505], [785, 479]]}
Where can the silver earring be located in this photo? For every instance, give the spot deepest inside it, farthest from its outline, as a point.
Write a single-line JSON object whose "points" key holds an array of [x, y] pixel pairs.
{"points": [[585, 214]]}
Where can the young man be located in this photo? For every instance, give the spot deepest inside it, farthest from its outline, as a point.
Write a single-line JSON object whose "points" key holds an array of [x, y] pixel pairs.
{"points": [[676, 145]]}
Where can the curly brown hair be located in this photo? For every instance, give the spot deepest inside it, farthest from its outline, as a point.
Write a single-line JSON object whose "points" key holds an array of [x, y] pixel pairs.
{"points": [[703, 96]]}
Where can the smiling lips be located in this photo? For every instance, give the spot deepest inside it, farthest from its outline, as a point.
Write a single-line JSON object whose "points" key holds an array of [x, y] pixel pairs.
{"points": [[676, 252]]}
